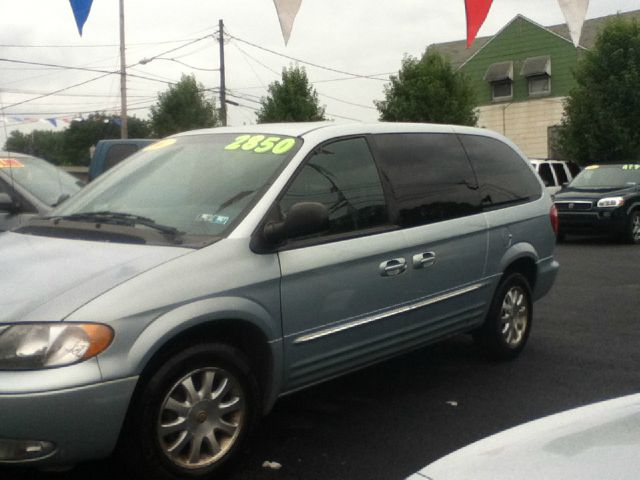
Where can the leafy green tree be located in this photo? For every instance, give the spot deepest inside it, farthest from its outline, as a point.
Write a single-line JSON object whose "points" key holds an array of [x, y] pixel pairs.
{"points": [[292, 100], [602, 112], [83, 134], [183, 107], [40, 143], [428, 90]]}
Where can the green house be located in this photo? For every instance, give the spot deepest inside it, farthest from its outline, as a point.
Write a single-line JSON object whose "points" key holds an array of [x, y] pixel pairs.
{"points": [[522, 75]]}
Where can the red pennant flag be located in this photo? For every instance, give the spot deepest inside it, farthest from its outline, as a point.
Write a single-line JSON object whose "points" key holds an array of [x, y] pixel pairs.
{"points": [[477, 11]]}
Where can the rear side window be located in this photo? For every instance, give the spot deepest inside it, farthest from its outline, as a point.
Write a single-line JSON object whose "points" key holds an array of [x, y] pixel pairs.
{"points": [[561, 174], [117, 153], [504, 177], [430, 177], [573, 168], [342, 176]]}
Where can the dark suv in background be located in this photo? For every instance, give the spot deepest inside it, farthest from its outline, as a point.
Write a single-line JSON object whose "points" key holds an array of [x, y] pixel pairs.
{"points": [[602, 199]]}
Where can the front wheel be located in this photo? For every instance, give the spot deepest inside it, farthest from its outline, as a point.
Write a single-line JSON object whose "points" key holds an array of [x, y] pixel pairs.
{"points": [[193, 414], [506, 328], [633, 228]]}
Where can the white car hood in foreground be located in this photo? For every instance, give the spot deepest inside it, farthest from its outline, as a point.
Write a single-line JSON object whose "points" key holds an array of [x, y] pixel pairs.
{"points": [[596, 442], [45, 279]]}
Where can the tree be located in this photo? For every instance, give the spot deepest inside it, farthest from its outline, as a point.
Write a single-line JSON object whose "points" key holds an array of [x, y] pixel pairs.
{"points": [[40, 143], [71, 146], [428, 90], [183, 107], [292, 100], [602, 112], [82, 134]]}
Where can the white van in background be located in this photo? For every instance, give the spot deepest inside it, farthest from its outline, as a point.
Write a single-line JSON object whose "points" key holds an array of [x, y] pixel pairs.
{"points": [[554, 173]]}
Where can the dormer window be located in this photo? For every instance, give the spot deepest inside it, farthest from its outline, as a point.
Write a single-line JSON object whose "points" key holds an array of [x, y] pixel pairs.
{"points": [[537, 71], [500, 77]]}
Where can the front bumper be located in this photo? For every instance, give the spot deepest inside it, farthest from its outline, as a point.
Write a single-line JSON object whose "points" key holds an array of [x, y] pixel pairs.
{"points": [[594, 221], [83, 422]]}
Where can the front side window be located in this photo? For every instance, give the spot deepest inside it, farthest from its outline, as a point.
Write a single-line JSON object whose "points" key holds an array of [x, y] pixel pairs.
{"points": [[430, 177], [503, 175], [560, 173], [343, 177], [544, 170], [197, 184]]}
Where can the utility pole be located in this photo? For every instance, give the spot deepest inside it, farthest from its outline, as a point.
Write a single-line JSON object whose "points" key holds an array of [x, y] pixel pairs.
{"points": [[123, 78], [223, 93]]}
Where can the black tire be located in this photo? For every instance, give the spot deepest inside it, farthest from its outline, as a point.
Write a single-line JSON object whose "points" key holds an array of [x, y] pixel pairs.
{"points": [[633, 228], [505, 331], [212, 414]]}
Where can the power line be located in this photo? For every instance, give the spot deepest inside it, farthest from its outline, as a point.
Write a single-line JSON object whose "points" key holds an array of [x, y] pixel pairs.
{"points": [[96, 45], [347, 102], [306, 62]]}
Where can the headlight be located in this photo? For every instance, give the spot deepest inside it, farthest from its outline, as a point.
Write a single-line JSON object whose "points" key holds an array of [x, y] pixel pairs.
{"points": [[611, 202], [46, 345]]}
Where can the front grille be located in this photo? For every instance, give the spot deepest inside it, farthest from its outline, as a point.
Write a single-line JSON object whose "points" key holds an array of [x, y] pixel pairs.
{"points": [[574, 206]]}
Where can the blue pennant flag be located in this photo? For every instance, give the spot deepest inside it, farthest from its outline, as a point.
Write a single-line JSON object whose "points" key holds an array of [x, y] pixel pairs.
{"points": [[81, 9], [52, 121]]}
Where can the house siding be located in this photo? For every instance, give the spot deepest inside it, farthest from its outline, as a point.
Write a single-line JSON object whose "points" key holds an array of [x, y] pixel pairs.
{"points": [[525, 123]]}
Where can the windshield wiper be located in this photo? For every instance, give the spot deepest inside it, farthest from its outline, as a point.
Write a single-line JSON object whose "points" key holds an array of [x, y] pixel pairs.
{"points": [[118, 218]]}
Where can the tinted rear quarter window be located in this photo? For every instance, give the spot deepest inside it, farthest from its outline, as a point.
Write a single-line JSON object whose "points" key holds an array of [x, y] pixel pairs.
{"points": [[430, 177], [504, 177]]}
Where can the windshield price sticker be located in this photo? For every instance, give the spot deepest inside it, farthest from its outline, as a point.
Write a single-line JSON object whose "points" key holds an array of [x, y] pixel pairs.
{"points": [[262, 144], [592, 167], [10, 163], [633, 166]]}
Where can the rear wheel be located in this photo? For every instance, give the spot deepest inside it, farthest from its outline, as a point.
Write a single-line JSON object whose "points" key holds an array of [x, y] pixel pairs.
{"points": [[193, 415], [506, 328], [633, 228]]}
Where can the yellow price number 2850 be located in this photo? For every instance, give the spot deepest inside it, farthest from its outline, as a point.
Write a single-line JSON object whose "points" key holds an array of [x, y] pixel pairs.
{"points": [[262, 144]]}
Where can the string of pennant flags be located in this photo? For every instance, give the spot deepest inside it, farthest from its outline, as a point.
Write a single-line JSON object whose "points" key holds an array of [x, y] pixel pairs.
{"points": [[574, 12], [53, 121]]}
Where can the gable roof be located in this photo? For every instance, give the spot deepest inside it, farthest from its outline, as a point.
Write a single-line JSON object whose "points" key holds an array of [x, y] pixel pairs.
{"points": [[458, 53]]}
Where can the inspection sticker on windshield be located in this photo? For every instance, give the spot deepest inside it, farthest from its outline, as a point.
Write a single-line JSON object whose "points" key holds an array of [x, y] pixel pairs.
{"points": [[10, 163], [216, 219], [262, 144]]}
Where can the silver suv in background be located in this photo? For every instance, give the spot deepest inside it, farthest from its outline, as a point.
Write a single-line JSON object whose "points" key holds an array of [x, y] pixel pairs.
{"points": [[170, 303], [555, 174]]}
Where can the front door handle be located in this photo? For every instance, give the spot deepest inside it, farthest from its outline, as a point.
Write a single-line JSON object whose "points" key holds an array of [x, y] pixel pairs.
{"points": [[423, 260], [394, 267]]}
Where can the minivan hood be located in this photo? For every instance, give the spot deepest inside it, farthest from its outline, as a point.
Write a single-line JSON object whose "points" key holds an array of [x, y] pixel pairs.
{"points": [[596, 442], [45, 279], [592, 193]]}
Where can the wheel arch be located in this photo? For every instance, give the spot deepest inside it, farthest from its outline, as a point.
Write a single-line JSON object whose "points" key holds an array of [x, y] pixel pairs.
{"points": [[245, 326], [521, 258]]}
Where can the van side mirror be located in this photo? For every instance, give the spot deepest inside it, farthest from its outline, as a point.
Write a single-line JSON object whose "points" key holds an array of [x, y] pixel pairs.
{"points": [[7, 204], [304, 218]]}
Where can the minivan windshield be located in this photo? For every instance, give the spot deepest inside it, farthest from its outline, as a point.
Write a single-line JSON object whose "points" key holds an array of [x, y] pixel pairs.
{"points": [[196, 184], [45, 181], [608, 176]]}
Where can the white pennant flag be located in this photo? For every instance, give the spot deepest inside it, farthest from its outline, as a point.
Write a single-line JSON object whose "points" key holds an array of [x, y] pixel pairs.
{"points": [[574, 12], [287, 11]]}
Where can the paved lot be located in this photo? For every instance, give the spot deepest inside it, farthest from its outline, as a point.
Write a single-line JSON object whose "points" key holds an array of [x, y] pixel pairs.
{"points": [[389, 420]]}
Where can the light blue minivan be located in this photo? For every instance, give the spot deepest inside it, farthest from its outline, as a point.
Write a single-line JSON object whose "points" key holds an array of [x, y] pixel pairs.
{"points": [[169, 304]]}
